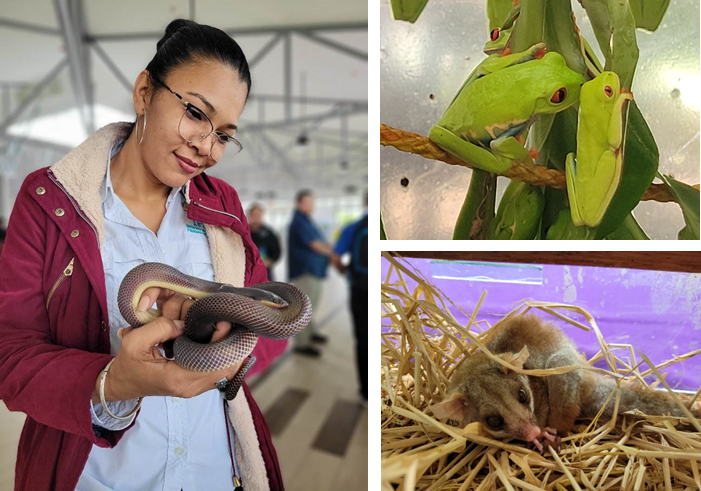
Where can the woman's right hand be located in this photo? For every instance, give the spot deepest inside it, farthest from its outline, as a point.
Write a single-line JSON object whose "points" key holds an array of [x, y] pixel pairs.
{"points": [[139, 369]]}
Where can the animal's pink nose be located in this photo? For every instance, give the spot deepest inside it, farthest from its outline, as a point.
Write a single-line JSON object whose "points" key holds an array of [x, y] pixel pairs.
{"points": [[531, 432]]}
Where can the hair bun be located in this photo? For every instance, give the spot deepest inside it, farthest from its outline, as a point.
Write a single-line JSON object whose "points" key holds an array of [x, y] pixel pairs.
{"points": [[174, 27]]}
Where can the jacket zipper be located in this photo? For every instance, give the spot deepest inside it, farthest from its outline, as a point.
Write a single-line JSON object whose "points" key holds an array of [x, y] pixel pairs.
{"points": [[68, 271], [55, 181], [217, 211]]}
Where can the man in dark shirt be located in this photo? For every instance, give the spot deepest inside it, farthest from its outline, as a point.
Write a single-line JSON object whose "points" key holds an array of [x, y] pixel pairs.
{"points": [[308, 258], [264, 238]]}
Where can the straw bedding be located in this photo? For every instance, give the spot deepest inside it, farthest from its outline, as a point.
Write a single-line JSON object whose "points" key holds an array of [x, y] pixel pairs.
{"points": [[423, 347]]}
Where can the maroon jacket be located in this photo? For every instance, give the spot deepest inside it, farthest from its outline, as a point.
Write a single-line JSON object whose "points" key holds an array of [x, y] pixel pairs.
{"points": [[52, 352]]}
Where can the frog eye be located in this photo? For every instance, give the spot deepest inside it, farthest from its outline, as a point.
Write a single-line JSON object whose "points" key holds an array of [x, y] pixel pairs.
{"points": [[608, 90], [495, 422], [559, 96], [494, 35]]}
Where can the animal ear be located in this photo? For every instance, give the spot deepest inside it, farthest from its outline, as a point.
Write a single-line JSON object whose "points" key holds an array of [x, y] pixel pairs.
{"points": [[454, 407], [517, 360]]}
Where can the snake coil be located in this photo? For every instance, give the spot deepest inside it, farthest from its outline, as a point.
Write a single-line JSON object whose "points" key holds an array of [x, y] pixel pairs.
{"points": [[274, 310]]}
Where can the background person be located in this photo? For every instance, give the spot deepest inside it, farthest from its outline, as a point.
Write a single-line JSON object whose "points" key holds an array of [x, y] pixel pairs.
{"points": [[354, 241], [308, 259], [264, 238]]}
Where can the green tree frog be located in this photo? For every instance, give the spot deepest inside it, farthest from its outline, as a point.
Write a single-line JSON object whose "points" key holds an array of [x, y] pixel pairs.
{"points": [[593, 177], [499, 101], [499, 36]]}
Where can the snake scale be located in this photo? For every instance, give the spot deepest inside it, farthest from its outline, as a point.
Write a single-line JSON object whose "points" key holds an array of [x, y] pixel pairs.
{"points": [[274, 310]]}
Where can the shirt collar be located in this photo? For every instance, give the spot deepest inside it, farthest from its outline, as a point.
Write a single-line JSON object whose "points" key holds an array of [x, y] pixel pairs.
{"points": [[107, 191]]}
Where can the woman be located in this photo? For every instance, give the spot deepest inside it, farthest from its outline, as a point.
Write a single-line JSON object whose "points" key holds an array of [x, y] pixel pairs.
{"points": [[129, 194]]}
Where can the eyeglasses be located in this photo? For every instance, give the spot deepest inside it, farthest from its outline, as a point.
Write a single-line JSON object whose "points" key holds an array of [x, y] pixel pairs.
{"points": [[195, 126]]}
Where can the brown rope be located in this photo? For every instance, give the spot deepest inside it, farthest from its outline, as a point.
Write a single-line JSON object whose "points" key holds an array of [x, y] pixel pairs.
{"points": [[535, 175]]}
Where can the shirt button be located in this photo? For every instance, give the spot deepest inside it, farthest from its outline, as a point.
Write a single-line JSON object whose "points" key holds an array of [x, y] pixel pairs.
{"points": [[59, 212], [175, 400], [75, 234], [40, 190], [179, 451]]}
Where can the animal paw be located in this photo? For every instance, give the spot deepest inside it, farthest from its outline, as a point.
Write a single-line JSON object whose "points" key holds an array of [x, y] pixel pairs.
{"points": [[547, 438]]}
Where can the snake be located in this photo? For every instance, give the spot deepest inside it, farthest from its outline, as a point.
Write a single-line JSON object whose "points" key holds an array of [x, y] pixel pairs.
{"points": [[274, 310]]}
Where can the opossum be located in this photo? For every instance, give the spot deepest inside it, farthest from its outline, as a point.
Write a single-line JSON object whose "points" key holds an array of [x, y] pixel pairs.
{"points": [[510, 405]]}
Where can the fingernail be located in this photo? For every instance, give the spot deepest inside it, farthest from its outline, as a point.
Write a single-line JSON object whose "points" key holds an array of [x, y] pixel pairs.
{"points": [[179, 324], [144, 303], [120, 332]]}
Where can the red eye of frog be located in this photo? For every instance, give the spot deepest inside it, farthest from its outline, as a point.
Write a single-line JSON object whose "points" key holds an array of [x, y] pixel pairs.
{"points": [[494, 35], [608, 90], [559, 96]]}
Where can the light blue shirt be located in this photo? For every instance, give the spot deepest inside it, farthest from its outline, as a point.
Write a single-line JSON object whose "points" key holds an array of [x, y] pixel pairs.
{"points": [[175, 443]]}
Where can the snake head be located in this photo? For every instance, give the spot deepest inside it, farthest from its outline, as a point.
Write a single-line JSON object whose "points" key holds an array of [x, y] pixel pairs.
{"points": [[265, 297]]}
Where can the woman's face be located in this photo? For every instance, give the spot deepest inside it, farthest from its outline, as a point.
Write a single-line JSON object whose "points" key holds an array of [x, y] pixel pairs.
{"points": [[219, 85]]}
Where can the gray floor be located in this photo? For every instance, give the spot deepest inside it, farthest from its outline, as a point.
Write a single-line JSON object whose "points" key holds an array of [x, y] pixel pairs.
{"points": [[320, 430]]}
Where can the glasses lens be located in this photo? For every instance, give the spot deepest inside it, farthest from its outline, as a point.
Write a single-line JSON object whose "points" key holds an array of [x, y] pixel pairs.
{"points": [[194, 125], [221, 145]]}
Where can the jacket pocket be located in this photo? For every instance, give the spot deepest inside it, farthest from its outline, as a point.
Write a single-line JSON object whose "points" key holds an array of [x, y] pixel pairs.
{"points": [[67, 272]]}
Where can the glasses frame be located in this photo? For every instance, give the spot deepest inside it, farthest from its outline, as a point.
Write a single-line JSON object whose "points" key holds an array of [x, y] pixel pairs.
{"points": [[219, 134]]}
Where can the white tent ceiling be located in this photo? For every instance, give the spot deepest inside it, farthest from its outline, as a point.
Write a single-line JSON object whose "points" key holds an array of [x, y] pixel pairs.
{"points": [[326, 46]]}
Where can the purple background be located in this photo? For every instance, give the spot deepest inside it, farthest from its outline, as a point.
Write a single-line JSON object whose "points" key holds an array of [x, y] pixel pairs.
{"points": [[658, 312]]}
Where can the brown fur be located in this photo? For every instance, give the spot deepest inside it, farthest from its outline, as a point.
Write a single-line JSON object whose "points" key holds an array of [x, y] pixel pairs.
{"points": [[480, 387]]}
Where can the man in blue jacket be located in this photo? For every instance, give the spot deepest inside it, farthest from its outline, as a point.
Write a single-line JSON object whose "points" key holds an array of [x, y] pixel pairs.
{"points": [[306, 265], [354, 240]]}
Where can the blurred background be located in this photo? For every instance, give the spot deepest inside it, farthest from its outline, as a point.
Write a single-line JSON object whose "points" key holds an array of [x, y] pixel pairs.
{"points": [[68, 68], [422, 65]]}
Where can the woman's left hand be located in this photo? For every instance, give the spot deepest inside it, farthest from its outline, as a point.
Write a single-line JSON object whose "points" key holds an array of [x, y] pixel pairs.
{"points": [[174, 306]]}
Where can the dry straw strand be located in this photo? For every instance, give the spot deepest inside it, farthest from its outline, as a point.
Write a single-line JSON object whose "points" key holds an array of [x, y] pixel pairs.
{"points": [[420, 351]]}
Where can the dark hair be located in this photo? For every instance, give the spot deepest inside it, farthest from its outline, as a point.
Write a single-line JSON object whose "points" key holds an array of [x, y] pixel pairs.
{"points": [[254, 206], [303, 194], [186, 41]]}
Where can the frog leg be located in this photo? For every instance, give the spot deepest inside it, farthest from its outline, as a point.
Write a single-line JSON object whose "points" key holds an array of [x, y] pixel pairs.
{"points": [[507, 145], [475, 155]]}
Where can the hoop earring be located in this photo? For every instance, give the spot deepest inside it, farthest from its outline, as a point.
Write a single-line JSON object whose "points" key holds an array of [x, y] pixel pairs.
{"points": [[143, 128]]}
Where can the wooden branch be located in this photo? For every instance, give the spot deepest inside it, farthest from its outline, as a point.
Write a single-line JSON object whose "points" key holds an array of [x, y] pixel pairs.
{"points": [[535, 175], [689, 262]]}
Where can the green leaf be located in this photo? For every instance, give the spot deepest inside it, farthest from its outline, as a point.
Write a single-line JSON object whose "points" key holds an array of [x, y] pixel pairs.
{"points": [[630, 229], [640, 160], [497, 12], [564, 229], [383, 236], [688, 199], [562, 138], [614, 28], [648, 13], [519, 213], [408, 10], [530, 25], [477, 212]]}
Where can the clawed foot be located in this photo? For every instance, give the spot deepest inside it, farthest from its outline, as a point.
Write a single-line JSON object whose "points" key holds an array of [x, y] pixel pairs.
{"points": [[547, 438]]}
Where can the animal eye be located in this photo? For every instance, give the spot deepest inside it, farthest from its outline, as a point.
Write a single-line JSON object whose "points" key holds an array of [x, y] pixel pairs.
{"points": [[495, 422], [608, 90], [559, 95], [494, 35], [522, 396]]}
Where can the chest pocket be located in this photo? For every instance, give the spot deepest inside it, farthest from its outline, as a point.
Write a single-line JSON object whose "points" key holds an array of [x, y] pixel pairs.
{"points": [[118, 259], [195, 259]]}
